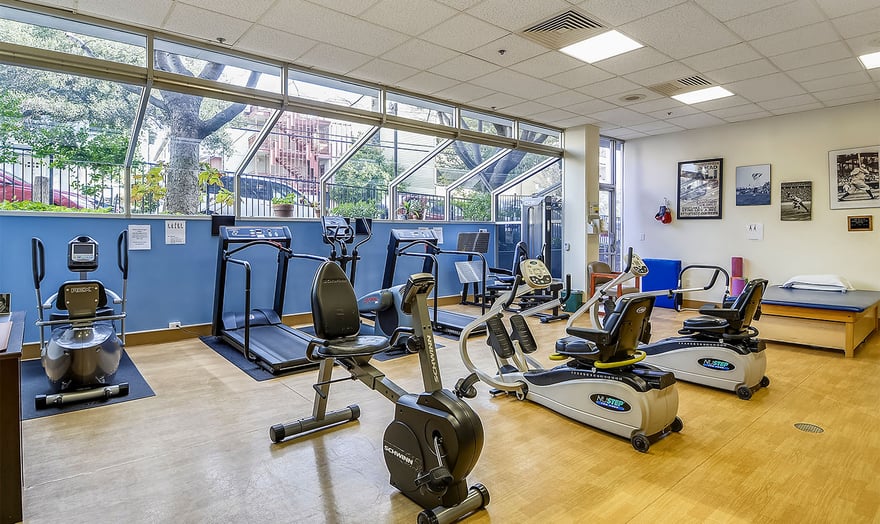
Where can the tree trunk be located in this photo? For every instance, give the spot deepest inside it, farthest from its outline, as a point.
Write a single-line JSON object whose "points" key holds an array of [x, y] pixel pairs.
{"points": [[182, 175]]}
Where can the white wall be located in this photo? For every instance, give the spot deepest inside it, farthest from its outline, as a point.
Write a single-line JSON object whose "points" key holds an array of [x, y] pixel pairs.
{"points": [[796, 146]]}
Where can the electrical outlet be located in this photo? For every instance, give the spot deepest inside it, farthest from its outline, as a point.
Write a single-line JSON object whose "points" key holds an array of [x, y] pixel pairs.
{"points": [[174, 325]]}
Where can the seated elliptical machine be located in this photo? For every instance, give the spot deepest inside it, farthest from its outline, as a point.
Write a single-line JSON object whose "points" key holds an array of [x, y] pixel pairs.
{"points": [[83, 352], [719, 348], [435, 438], [603, 384]]}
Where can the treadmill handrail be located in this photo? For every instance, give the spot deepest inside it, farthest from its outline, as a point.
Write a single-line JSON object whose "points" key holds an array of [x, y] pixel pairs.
{"points": [[247, 306], [253, 243]]}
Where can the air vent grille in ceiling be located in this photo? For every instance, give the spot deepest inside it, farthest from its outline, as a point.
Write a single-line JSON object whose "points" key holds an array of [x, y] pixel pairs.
{"points": [[564, 29], [682, 85]]}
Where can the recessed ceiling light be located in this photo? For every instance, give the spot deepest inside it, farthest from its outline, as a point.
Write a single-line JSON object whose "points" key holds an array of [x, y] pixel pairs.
{"points": [[600, 47], [702, 95], [871, 60]]}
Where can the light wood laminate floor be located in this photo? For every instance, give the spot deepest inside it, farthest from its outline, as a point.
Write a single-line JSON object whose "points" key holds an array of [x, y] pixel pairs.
{"points": [[199, 450]]}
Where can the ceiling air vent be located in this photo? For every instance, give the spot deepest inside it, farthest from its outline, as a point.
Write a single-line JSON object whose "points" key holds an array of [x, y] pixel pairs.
{"points": [[682, 85], [564, 29]]}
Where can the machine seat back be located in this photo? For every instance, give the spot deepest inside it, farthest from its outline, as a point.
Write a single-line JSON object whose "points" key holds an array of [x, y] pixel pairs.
{"points": [[336, 318], [81, 298], [624, 328], [738, 316]]}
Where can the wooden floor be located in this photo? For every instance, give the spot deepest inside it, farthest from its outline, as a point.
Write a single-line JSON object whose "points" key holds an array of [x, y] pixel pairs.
{"points": [[199, 450]]}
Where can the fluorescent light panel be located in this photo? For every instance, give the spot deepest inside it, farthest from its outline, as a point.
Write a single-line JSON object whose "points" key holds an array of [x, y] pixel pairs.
{"points": [[871, 60], [600, 47], [702, 95]]}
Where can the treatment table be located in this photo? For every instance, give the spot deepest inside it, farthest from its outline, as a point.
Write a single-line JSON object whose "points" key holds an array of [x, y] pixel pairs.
{"points": [[828, 319]]}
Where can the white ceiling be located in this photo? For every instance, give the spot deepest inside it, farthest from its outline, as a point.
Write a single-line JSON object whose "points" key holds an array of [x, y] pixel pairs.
{"points": [[777, 56]]}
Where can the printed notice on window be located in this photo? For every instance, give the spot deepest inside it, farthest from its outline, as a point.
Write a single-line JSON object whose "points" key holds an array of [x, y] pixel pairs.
{"points": [[175, 232], [139, 237]]}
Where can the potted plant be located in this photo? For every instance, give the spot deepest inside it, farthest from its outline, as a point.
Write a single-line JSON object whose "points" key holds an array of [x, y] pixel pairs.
{"points": [[283, 206], [411, 209]]}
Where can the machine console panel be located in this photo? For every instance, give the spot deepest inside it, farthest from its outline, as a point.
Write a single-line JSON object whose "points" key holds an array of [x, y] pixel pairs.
{"points": [[337, 229], [535, 273], [413, 234], [82, 254], [248, 233]]}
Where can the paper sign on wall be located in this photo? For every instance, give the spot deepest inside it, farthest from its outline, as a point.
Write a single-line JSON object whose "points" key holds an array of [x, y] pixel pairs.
{"points": [[175, 232], [139, 237], [755, 232]]}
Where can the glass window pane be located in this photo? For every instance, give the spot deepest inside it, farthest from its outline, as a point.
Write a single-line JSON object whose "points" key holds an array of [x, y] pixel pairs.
{"points": [[332, 91], [482, 123], [218, 67], [72, 37], [299, 150], [606, 172], [509, 204], [418, 109], [540, 135], [63, 139], [188, 145]]}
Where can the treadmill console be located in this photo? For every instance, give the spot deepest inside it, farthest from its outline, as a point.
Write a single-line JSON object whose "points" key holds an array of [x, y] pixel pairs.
{"points": [[413, 234], [247, 233], [535, 273]]}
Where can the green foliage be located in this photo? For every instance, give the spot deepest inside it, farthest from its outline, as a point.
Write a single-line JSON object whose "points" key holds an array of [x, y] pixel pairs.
{"points": [[29, 205], [475, 206], [210, 175], [412, 208], [292, 198], [148, 189], [368, 168], [363, 209]]}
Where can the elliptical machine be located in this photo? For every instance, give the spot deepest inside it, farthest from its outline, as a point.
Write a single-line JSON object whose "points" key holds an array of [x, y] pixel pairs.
{"points": [[435, 438], [83, 352], [603, 384], [719, 348]]}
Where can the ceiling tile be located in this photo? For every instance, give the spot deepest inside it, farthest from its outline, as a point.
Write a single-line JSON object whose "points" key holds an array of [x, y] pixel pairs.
{"points": [[564, 98], [726, 57], [528, 108], [516, 49], [812, 56], [662, 103], [673, 31], [797, 109], [674, 112], [590, 107], [847, 92], [750, 116], [558, 115], [838, 67], [428, 83], [200, 23], [636, 60], [643, 94], [788, 101], [622, 116], [696, 121], [497, 101], [742, 71], [349, 7], [420, 54], [383, 72], [463, 92], [661, 73], [272, 43], [744, 109], [250, 10], [574, 121], [610, 87], [796, 39], [851, 100], [629, 134], [463, 32], [332, 27], [722, 103], [548, 64], [412, 17], [332, 59], [863, 44], [516, 16], [464, 67], [727, 10], [837, 81], [858, 24], [619, 12], [766, 87], [586, 74], [512, 82], [144, 14], [654, 125], [836, 8], [776, 19], [461, 5]]}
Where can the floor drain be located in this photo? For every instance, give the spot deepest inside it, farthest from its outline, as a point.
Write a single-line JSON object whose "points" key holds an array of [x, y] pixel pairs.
{"points": [[809, 428]]}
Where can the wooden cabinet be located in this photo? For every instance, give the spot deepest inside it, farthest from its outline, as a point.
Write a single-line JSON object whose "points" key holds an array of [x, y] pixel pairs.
{"points": [[10, 423]]}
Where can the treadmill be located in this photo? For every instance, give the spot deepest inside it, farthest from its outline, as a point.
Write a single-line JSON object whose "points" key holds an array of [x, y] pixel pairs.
{"points": [[442, 321], [260, 335]]}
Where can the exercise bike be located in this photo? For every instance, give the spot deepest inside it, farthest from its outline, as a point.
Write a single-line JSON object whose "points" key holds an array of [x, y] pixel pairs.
{"points": [[603, 384], [435, 438], [83, 352], [719, 348]]}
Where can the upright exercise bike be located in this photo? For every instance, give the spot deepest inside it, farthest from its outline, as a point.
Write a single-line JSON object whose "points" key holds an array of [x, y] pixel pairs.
{"points": [[82, 354], [435, 438], [603, 384]]}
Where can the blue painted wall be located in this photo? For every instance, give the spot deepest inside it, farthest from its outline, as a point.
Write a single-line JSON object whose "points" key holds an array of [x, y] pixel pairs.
{"points": [[176, 282]]}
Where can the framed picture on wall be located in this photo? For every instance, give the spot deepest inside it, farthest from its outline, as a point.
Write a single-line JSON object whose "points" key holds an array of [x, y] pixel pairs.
{"points": [[699, 188], [753, 185], [796, 202], [860, 223], [853, 178]]}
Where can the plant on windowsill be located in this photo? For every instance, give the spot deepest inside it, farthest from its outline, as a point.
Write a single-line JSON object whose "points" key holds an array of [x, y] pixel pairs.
{"points": [[284, 206], [411, 209]]}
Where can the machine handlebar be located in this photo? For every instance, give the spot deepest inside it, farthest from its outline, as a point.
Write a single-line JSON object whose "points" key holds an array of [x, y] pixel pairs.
{"points": [[38, 261], [122, 253]]}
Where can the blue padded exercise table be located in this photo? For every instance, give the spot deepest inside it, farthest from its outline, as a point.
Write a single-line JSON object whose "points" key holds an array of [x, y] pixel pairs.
{"points": [[828, 319]]}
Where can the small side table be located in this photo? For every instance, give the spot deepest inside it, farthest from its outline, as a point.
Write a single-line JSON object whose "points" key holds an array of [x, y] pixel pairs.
{"points": [[11, 479]]}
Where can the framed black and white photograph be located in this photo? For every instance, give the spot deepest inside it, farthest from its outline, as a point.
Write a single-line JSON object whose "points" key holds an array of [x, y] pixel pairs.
{"points": [[5, 303], [860, 223], [753, 185], [796, 201], [699, 188], [853, 178]]}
